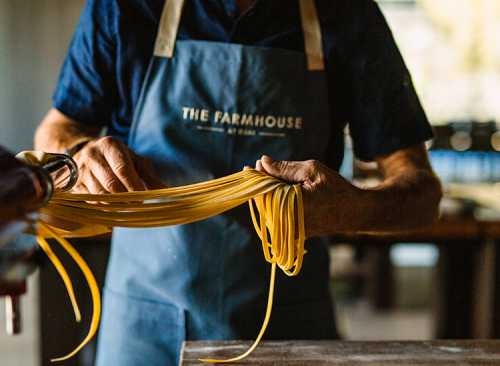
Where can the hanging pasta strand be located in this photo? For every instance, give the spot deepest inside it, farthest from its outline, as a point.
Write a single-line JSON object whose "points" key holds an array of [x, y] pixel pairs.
{"points": [[91, 281], [62, 273], [262, 331], [276, 210]]}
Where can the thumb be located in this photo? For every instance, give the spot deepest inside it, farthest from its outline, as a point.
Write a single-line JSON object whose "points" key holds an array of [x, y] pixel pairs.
{"points": [[290, 171]]}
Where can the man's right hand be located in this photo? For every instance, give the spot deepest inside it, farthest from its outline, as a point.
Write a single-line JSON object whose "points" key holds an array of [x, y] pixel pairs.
{"points": [[107, 165]]}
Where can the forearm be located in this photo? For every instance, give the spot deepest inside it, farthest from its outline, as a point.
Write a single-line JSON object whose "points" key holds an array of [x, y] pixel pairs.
{"points": [[405, 201], [58, 132], [105, 164], [407, 198]]}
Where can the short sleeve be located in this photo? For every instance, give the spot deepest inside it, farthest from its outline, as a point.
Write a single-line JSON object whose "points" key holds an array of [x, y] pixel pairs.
{"points": [[384, 112], [84, 89]]}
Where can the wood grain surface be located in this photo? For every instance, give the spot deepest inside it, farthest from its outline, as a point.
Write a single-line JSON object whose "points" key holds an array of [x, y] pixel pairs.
{"points": [[337, 353], [443, 230]]}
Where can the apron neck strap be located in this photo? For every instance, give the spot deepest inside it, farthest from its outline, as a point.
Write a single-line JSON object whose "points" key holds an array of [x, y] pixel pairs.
{"points": [[171, 17], [169, 24], [313, 40]]}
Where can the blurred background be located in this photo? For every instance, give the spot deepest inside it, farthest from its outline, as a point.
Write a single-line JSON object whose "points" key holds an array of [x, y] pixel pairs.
{"points": [[441, 283]]}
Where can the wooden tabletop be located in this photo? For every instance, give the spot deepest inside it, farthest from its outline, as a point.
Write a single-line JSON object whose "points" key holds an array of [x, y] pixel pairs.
{"points": [[444, 230], [336, 353]]}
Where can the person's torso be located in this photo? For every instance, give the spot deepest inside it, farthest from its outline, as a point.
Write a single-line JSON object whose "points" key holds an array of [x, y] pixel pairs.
{"points": [[270, 24], [257, 100]]}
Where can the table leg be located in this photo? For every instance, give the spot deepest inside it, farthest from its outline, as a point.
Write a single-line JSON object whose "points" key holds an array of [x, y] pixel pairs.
{"points": [[454, 290], [381, 282], [496, 292]]}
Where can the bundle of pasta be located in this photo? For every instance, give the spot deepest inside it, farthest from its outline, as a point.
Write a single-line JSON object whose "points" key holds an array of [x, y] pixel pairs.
{"points": [[276, 210]]}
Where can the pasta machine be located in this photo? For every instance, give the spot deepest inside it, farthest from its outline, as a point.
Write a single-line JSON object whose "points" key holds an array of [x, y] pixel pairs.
{"points": [[26, 184]]}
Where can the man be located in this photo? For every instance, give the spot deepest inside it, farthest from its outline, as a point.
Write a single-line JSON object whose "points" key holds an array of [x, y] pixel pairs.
{"points": [[229, 82]]}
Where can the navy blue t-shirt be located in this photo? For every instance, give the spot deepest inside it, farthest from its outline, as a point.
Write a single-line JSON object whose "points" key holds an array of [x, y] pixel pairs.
{"points": [[368, 83]]}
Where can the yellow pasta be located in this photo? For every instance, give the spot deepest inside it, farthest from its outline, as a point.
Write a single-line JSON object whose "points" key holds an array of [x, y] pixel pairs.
{"points": [[276, 210], [94, 289], [64, 275]]}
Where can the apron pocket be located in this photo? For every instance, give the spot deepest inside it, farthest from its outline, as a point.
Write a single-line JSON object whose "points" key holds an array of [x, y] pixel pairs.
{"points": [[137, 332]]}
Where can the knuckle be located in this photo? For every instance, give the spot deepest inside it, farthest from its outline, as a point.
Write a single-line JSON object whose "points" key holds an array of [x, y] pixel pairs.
{"points": [[313, 164], [79, 188], [283, 164], [121, 168], [322, 178], [106, 140], [80, 162], [82, 173], [108, 143], [93, 152], [90, 152]]}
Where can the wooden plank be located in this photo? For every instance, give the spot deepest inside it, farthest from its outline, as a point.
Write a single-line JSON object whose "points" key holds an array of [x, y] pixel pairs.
{"points": [[456, 229], [322, 353], [444, 230]]}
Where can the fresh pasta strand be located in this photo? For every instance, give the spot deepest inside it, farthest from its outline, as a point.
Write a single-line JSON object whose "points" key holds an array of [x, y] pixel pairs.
{"points": [[63, 274], [262, 329], [92, 283], [276, 210]]}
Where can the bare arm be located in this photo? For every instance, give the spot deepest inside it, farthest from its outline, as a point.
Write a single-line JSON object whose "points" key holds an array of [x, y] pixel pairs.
{"points": [[410, 193], [407, 198], [58, 132], [105, 164]]}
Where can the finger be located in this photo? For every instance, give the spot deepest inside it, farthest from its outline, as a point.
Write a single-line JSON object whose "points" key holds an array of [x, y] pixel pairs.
{"points": [[147, 172], [123, 167], [94, 186], [61, 177], [80, 188], [104, 174], [291, 171], [258, 166], [87, 180]]}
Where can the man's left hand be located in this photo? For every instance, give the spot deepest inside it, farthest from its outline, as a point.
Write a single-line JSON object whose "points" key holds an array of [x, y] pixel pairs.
{"points": [[407, 198], [321, 188]]}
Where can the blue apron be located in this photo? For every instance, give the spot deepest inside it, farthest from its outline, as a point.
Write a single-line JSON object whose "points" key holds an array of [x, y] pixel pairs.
{"points": [[207, 110]]}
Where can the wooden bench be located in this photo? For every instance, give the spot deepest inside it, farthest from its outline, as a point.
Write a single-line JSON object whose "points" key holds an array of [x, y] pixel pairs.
{"points": [[337, 353]]}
